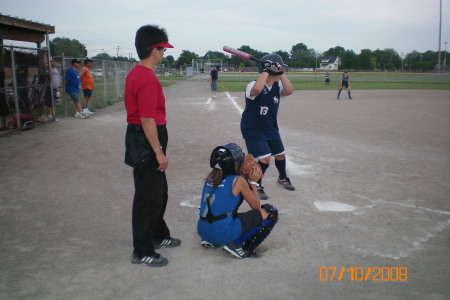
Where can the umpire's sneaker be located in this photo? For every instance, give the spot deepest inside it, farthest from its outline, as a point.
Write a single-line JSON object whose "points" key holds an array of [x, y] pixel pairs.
{"points": [[235, 250], [286, 183], [151, 260], [261, 194], [167, 243]]}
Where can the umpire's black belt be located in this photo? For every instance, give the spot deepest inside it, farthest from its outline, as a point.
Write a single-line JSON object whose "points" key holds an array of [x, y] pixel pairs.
{"points": [[138, 127]]}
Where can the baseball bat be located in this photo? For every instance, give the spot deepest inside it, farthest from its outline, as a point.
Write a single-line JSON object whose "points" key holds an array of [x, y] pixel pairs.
{"points": [[240, 53]]}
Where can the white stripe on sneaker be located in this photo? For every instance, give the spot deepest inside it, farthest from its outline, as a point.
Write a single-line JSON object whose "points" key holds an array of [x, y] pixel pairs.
{"points": [[147, 259]]}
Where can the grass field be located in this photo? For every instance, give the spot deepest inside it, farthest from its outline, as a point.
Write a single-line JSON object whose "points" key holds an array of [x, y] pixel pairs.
{"points": [[235, 82]]}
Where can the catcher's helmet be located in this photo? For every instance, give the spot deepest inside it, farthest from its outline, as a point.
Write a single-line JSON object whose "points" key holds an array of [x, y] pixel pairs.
{"points": [[228, 157], [273, 57]]}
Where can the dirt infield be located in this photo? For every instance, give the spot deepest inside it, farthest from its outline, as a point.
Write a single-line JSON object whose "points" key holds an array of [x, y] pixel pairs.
{"points": [[372, 178]]}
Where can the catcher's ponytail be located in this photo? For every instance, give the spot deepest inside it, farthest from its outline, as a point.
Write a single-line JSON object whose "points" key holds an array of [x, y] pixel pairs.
{"points": [[215, 177]]}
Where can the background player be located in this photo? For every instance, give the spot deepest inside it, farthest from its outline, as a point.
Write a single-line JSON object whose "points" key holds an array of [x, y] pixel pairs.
{"points": [[259, 125], [213, 79], [345, 81]]}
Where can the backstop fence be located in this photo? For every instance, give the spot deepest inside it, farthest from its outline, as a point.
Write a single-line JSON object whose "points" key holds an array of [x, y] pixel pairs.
{"points": [[25, 82]]}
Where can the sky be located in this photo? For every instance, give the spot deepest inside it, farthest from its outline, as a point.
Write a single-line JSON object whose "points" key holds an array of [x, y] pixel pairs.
{"points": [[202, 26]]}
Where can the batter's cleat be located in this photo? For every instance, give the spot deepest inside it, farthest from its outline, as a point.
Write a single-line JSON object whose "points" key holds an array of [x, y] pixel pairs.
{"points": [[235, 250], [208, 245], [167, 243], [286, 183], [262, 195], [151, 260]]}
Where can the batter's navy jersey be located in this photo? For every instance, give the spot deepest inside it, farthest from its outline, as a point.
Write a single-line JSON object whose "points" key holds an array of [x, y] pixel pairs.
{"points": [[259, 119]]}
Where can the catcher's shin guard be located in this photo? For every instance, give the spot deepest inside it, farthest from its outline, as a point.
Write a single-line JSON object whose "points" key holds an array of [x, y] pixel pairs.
{"points": [[258, 234]]}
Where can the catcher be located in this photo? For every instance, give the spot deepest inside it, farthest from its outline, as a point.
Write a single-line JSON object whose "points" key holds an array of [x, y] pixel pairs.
{"points": [[223, 192]]}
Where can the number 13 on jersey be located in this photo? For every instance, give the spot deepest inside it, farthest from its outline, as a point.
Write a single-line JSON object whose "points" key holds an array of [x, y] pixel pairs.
{"points": [[264, 110]]}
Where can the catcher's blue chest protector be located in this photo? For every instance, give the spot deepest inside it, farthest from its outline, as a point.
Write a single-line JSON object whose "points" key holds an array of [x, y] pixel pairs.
{"points": [[223, 205]]}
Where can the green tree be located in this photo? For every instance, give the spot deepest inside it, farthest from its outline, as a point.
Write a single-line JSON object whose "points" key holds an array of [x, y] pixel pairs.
{"points": [[103, 56], [168, 61], [411, 60], [373, 63], [364, 60], [349, 60], [214, 55], [303, 57], [186, 58], [284, 55], [387, 59], [70, 48], [336, 51]]}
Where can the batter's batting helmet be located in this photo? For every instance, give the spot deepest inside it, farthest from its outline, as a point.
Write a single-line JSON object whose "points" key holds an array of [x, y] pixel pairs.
{"points": [[273, 57]]}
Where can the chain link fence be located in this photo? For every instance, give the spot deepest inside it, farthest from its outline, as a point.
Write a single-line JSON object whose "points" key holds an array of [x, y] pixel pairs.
{"points": [[25, 84]]}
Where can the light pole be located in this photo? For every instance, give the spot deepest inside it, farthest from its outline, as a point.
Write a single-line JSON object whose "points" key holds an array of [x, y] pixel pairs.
{"points": [[440, 25]]}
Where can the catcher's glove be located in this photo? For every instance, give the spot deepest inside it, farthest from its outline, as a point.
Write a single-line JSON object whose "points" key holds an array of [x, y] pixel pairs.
{"points": [[250, 168]]}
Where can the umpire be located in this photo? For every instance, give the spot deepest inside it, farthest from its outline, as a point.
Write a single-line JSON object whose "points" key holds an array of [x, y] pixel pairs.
{"points": [[145, 149]]}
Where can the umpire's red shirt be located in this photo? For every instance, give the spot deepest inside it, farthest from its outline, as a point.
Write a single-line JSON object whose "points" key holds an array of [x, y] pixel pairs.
{"points": [[144, 97]]}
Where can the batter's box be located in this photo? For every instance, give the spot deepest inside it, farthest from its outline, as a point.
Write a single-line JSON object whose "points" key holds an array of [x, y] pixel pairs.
{"points": [[382, 228]]}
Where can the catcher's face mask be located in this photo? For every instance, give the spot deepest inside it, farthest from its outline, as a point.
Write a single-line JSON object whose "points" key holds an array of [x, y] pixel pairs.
{"points": [[228, 157]]}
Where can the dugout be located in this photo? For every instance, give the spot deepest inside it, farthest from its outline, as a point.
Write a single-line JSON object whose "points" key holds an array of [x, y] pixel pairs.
{"points": [[13, 28]]}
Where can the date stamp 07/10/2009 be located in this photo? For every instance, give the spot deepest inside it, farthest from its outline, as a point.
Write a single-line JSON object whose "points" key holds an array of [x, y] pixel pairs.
{"points": [[363, 273]]}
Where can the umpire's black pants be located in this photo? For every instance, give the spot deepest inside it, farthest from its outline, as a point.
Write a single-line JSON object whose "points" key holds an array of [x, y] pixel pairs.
{"points": [[150, 201]]}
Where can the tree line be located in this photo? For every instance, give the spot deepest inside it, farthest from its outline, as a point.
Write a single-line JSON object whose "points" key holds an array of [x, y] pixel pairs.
{"points": [[300, 56]]}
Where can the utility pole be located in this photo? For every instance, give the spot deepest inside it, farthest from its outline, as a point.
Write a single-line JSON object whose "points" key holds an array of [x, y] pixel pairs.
{"points": [[440, 25], [118, 47]]}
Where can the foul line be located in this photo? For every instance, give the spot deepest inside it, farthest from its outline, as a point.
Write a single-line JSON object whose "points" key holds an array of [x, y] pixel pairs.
{"points": [[240, 110]]}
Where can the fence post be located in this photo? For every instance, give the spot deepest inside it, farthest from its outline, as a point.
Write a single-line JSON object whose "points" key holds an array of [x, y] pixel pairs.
{"points": [[63, 75], [117, 81], [16, 91], [105, 73], [49, 66]]}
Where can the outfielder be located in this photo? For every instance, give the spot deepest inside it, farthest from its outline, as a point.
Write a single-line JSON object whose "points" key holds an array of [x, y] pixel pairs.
{"points": [[223, 193], [345, 81], [259, 125]]}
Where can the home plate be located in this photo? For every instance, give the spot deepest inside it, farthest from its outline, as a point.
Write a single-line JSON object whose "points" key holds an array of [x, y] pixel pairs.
{"points": [[325, 205]]}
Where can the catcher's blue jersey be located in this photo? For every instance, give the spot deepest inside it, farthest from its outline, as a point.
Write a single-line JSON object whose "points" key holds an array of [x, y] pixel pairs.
{"points": [[259, 119]]}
